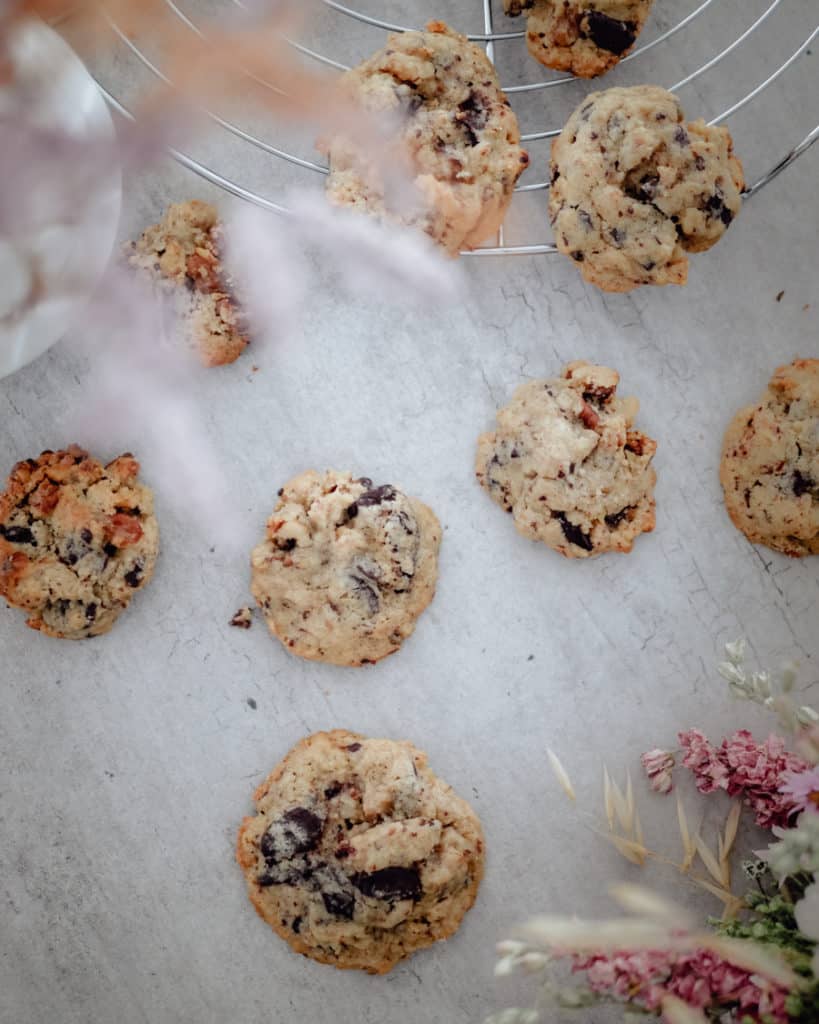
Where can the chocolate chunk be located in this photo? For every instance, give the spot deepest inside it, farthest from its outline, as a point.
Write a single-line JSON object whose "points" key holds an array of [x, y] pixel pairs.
{"points": [[110, 550], [365, 482], [699, 162], [802, 484], [681, 136], [134, 576], [615, 518], [717, 208], [609, 34], [618, 236], [17, 535], [648, 186], [332, 791], [90, 612], [339, 904], [577, 256], [352, 748], [297, 831], [472, 116], [585, 219], [598, 395], [86, 535], [572, 533], [390, 884], [351, 511], [286, 544], [296, 925], [376, 495], [367, 589]]}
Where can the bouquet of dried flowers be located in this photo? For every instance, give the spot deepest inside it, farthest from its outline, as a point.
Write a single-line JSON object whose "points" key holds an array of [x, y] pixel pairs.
{"points": [[758, 962]]}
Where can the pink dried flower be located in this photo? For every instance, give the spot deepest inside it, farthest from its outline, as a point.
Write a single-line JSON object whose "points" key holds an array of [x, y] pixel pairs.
{"points": [[703, 760], [701, 979], [658, 766], [802, 788], [742, 767], [638, 977], [704, 979]]}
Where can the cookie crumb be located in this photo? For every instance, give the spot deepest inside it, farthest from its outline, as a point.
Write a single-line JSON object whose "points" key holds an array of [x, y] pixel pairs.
{"points": [[243, 619], [779, 295], [251, 703]]}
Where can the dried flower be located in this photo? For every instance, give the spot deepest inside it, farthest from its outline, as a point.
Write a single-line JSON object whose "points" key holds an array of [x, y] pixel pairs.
{"points": [[744, 768], [806, 913], [803, 789], [658, 766], [797, 849], [703, 760]]}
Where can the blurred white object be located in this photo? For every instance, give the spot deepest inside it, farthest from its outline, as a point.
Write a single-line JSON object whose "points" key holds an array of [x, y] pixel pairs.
{"points": [[48, 269]]}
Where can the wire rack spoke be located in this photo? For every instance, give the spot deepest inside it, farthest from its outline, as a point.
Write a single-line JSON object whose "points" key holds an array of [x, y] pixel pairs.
{"points": [[491, 39]]}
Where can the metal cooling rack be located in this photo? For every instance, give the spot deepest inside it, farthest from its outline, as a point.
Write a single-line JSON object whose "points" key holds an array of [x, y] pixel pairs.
{"points": [[493, 40]]}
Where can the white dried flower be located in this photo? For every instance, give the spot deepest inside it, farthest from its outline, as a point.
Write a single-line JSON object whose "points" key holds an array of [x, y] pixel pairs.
{"points": [[514, 1016], [735, 651]]}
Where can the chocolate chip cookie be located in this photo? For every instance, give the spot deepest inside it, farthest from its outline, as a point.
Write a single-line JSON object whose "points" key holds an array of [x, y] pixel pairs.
{"points": [[182, 255], [454, 124], [77, 540], [345, 568], [634, 188], [586, 37], [358, 855], [565, 461], [770, 463]]}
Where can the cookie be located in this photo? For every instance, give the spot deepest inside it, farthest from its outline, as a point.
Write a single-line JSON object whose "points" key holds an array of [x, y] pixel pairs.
{"points": [[358, 855], [565, 461], [77, 540], [456, 127], [634, 188], [770, 463], [585, 37], [182, 255], [345, 568]]}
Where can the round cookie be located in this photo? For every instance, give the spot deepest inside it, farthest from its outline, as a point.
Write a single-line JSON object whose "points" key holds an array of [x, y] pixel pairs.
{"points": [[183, 254], [567, 465], [77, 540], [456, 126], [634, 188], [770, 463], [585, 37], [358, 855], [345, 568]]}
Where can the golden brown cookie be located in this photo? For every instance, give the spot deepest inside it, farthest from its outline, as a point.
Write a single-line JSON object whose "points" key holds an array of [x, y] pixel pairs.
{"points": [[634, 188], [358, 855], [345, 568], [77, 540], [566, 463], [182, 254], [585, 37], [456, 126], [770, 463]]}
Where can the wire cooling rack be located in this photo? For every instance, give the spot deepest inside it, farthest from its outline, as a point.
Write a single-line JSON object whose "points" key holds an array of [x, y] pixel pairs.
{"points": [[350, 32]]}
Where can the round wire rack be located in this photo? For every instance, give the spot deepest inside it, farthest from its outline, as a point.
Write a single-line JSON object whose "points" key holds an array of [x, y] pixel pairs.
{"points": [[775, 36]]}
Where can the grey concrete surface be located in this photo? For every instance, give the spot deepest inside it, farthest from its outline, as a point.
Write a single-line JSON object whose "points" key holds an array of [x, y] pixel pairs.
{"points": [[127, 762]]}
